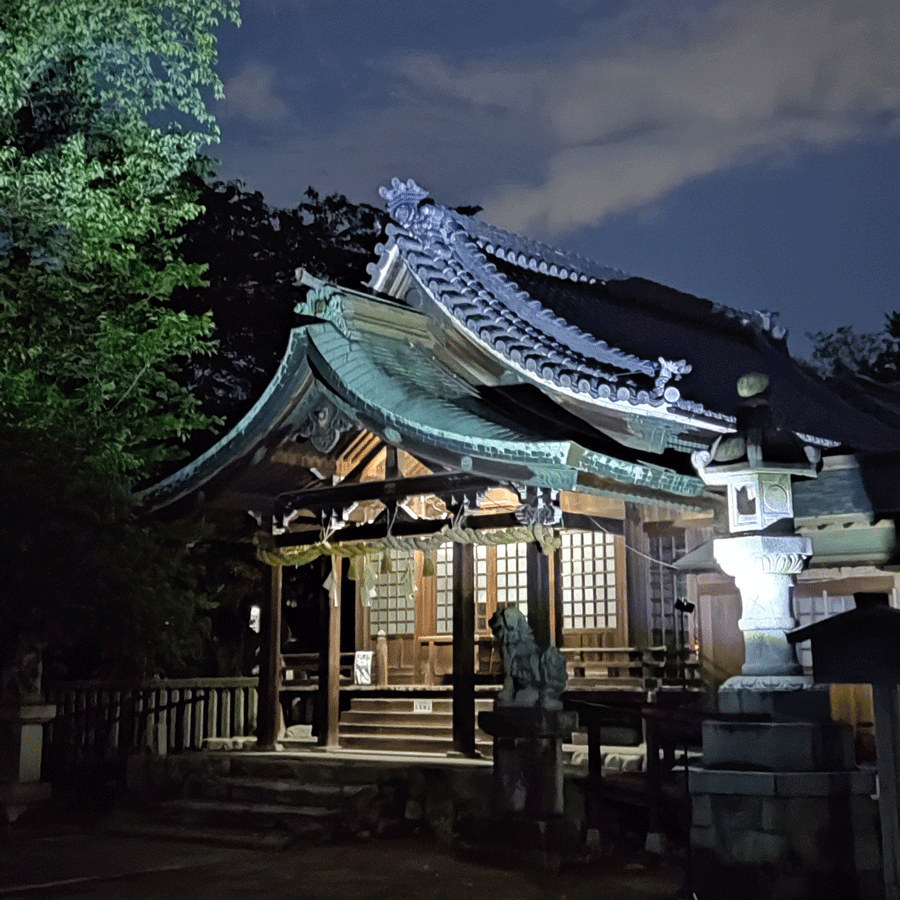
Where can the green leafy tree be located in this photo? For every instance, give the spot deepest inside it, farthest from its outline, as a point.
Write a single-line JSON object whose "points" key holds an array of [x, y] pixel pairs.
{"points": [[104, 105], [92, 193]]}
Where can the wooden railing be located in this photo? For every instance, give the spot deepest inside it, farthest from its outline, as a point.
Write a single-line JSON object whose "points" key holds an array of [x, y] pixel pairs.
{"points": [[98, 719], [630, 667], [301, 670], [435, 658]]}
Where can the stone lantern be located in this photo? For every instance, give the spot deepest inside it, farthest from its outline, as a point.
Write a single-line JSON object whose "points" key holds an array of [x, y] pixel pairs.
{"points": [[778, 805], [757, 465]]}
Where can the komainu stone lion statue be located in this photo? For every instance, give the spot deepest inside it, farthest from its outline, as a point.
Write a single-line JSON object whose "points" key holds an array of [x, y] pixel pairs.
{"points": [[533, 678]]}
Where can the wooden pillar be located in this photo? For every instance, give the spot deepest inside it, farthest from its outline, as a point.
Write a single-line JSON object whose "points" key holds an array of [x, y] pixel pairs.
{"points": [[327, 706], [333, 699], [269, 714], [887, 737], [538, 593], [464, 648], [557, 593], [635, 579]]}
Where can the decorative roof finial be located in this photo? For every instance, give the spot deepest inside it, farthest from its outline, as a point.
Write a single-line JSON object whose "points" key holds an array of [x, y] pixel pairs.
{"points": [[403, 199]]}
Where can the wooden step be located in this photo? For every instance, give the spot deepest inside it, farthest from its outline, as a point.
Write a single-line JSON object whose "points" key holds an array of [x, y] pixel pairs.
{"points": [[360, 717], [381, 724], [438, 705], [426, 729]]}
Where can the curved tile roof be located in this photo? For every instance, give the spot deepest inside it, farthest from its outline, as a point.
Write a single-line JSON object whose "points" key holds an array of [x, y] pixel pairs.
{"points": [[448, 261], [607, 336]]}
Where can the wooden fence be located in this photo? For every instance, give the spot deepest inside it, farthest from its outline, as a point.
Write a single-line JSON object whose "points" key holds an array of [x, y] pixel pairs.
{"points": [[102, 721]]}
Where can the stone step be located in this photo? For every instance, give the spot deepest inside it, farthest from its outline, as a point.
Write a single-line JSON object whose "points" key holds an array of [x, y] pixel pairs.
{"points": [[307, 822], [308, 769], [411, 743], [286, 792]]}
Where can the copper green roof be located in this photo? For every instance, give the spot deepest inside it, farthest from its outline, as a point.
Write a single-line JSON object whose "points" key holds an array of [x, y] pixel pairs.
{"points": [[379, 361]]}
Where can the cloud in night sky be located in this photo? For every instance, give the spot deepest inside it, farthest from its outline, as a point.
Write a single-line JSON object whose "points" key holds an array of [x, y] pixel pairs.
{"points": [[251, 95], [619, 126], [744, 150], [559, 134]]}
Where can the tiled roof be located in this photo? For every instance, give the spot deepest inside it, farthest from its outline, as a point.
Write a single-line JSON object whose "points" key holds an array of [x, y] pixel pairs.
{"points": [[609, 337], [450, 263]]}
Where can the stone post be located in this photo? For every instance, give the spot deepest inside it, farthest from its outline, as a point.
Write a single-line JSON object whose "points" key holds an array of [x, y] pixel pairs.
{"points": [[23, 715]]}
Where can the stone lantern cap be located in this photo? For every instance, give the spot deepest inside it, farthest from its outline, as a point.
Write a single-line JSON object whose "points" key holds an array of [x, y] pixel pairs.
{"points": [[757, 462]]}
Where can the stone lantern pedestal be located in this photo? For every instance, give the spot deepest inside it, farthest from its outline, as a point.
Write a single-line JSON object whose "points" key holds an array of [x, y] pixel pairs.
{"points": [[779, 808]]}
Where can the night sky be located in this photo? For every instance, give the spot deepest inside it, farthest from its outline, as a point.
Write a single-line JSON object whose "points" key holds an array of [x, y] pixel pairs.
{"points": [[747, 152]]}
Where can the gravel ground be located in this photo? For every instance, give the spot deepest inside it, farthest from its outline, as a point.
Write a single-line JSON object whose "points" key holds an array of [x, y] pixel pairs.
{"points": [[88, 863]]}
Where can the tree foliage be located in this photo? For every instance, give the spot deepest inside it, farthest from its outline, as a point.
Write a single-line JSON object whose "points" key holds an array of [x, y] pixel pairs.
{"points": [[252, 251], [104, 105], [91, 197], [873, 355], [80, 574]]}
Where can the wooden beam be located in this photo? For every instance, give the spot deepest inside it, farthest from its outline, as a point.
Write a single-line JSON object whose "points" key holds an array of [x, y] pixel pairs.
{"points": [[464, 649], [538, 593], [356, 472], [269, 715], [375, 530], [341, 495]]}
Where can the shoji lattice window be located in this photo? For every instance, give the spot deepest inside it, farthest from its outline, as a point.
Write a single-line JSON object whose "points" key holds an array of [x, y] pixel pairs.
{"points": [[589, 580], [394, 604], [512, 576], [443, 578], [664, 586], [483, 609], [501, 579], [813, 609]]}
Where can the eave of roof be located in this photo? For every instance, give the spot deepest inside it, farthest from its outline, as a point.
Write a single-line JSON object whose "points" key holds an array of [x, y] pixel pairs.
{"points": [[286, 399], [374, 363], [381, 367]]}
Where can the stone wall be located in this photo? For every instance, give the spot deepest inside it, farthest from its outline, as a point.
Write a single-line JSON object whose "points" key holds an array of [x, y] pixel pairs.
{"points": [[785, 835]]}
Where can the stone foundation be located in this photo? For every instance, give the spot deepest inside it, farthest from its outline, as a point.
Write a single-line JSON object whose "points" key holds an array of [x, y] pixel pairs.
{"points": [[785, 835]]}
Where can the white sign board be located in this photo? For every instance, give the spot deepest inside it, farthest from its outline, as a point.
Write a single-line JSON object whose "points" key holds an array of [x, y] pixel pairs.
{"points": [[362, 667], [422, 706]]}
